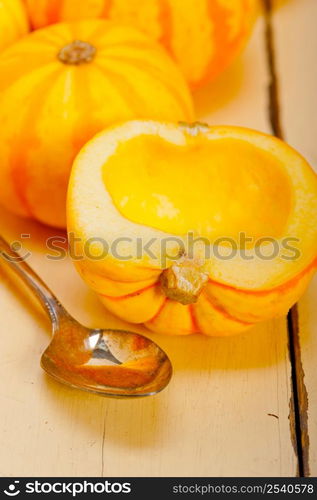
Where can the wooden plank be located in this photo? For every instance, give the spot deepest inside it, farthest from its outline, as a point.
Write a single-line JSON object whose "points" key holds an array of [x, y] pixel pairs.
{"points": [[296, 46], [226, 411]]}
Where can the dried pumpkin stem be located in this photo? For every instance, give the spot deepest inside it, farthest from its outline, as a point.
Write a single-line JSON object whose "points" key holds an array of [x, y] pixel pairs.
{"points": [[184, 281], [194, 128], [77, 52]]}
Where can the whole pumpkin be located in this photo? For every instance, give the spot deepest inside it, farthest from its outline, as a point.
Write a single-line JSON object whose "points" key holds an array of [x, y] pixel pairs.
{"points": [[203, 36], [62, 84], [13, 21], [214, 230]]}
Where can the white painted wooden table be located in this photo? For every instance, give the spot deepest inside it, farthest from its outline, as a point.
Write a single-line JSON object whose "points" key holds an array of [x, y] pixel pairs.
{"points": [[230, 409]]}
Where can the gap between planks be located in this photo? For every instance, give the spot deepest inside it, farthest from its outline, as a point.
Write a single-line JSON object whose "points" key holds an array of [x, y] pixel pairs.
{"points": [[299, 399]]}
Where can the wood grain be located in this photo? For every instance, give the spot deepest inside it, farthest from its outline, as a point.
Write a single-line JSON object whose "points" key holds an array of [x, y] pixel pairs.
{"points": [[226, 411], [296, 47]]}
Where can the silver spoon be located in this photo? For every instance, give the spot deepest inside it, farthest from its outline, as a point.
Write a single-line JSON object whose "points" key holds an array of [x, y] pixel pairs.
{"points": [[108, 362]]}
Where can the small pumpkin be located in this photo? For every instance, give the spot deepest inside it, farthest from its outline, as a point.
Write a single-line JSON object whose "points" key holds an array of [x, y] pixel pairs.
{"points": [[59, 86], [13, 21], [213, 229], [203, 36]]}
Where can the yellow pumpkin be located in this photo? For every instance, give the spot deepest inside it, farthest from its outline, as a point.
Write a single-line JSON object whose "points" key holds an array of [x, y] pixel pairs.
{"points": [[13, 21], [61, 85], [203, 36], [190, 228]]}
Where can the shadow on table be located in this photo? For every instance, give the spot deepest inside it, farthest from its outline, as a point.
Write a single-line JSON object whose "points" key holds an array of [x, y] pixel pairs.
{"points": [[215, 95]]}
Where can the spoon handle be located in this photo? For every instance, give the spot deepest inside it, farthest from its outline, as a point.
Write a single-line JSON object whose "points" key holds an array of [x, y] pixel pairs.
{"points": [[32, 280]]}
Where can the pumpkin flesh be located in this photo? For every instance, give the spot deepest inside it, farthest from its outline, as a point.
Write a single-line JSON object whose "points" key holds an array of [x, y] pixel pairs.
{"points": [[197, 189]]}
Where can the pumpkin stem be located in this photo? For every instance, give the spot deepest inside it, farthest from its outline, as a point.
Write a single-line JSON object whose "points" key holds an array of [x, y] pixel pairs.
{"points": [[184, 281], [194, 128], [77, 52]]}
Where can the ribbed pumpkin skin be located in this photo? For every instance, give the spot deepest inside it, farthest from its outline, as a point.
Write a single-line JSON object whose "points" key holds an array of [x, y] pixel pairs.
{"points": [[203, 36], [220, 310], [13, 21], [48, 109]]}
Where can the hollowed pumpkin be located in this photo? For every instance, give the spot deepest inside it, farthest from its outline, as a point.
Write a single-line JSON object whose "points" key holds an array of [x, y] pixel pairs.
{"points": [[61, 85], [203, 36], [190, 228], [13, 21]]}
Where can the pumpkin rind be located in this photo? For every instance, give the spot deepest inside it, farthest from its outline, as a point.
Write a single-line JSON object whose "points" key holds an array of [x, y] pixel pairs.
{"points": [[49, 108], [13, 22], [202, 36], [239, 292]]}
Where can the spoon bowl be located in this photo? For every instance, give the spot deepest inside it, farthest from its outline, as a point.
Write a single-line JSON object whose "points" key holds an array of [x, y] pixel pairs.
{"points": [[113, 363]]}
